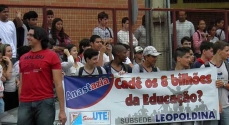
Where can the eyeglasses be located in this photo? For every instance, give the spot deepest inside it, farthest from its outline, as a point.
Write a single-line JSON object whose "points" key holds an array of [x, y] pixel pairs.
{"points": [[30, 35]]}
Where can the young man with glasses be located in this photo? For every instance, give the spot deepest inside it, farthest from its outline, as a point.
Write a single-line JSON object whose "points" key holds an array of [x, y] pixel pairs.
{"points": [[40, 71]]}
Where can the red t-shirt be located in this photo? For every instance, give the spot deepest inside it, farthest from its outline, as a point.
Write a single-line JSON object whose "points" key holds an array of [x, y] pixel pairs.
{"points": [[37, 79]]}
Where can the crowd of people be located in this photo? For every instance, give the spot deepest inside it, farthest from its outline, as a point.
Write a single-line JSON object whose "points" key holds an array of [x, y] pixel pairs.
{"points": [[35, 59]]}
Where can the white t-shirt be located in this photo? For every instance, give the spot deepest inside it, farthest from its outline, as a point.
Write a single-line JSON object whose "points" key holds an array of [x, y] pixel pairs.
{"points": [[220, 34], [73, 69], [16, 68], [183, 29], [113, 71], [123, 37], [127, 61], [67, 65], [107, 59], [8, 35], [215, 39], [222, 75]]}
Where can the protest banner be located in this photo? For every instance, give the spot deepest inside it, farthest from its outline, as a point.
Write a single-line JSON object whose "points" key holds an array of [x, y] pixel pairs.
{"points": [[142, 98]]}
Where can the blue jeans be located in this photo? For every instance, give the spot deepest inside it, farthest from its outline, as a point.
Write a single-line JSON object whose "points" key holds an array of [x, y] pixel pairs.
{"points": [[224, 116], [36, 113], [2, 106]]}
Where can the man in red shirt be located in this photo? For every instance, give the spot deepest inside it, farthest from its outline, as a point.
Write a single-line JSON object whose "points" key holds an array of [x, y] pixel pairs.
{"points": [[39, 69]]}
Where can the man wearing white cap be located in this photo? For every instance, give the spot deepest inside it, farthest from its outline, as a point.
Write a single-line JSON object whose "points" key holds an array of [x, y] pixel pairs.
{"points": [[150, 56], [138, 55]]}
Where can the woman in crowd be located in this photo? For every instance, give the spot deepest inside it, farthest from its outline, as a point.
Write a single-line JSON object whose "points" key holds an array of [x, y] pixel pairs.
{"points": [[10, 90], [212, 34], [84, 44], [73, 52], [61, 39], [198, 37]]}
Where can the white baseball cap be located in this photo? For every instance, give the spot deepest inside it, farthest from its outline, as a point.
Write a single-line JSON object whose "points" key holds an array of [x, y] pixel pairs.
{"points": [[150, 50], [138, 49]]}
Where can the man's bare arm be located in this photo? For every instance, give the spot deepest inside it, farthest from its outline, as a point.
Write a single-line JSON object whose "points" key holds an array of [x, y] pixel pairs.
{"points": [[57, 78]]}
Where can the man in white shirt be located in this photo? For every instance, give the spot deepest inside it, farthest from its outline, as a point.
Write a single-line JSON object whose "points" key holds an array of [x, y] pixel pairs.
{"points": [[98, 45], [183, 27], [123, 35], [102, 30], [8, 30], [221, 53]]}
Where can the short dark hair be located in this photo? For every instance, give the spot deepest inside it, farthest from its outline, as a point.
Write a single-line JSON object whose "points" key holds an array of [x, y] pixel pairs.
{"points": [[117, 48], [41, 34], [69, 47], [94, 37], [3, 7], [124, 19], [89, 53], [205, 45], [25, 16], [102, 15], [181, 51], [218, 20], [31, 14], [219, 45], [49, 12], [83, 43], [22, 50], [186, 38]]}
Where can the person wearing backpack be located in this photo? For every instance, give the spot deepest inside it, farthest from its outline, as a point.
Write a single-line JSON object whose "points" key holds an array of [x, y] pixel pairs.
{"points": [[117, 65], [150, 56], [220, 34], [90, 68], [106, 33], [198, 37], [221, 53]]}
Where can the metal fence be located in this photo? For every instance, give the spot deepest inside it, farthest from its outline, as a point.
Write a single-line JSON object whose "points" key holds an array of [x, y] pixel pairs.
{"points": [[80, 21]]}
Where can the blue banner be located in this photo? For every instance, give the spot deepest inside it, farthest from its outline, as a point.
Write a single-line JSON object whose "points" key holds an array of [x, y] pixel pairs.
{"points": [[82, 93]]}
